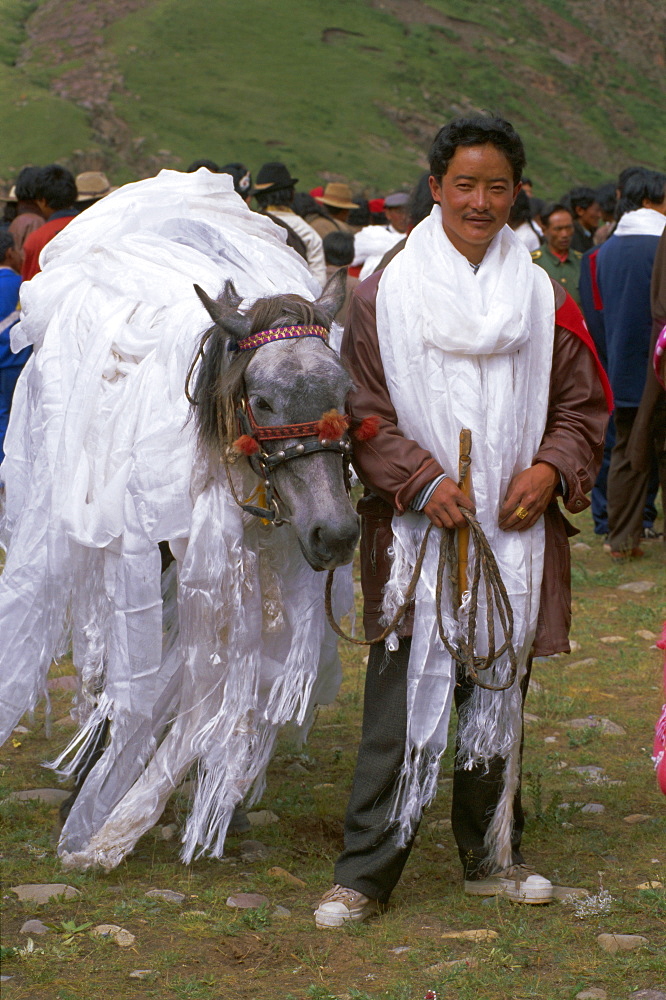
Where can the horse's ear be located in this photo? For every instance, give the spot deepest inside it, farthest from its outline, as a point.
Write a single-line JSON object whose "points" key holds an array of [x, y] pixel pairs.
{"points": [[332, 298], [225, 312]]}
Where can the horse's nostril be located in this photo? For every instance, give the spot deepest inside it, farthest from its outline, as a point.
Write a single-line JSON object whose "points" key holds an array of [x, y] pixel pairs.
{"points": [[329, 541]]}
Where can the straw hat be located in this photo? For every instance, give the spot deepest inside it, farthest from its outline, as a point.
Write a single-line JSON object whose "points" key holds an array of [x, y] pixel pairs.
{"points": [[92, 185], [337, 196]]}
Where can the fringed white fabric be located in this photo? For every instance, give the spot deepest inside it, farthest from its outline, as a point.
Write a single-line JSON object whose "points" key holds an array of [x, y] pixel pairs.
{"points": [[100, 466], [478, 349]]}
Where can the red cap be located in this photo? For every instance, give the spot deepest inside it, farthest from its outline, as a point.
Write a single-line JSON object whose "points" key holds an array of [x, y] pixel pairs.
{"points": [[376, 205]]}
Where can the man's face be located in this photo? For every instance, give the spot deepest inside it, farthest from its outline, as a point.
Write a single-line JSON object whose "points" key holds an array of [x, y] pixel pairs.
{"points": [[559, 231], [476, 194], [398, 218], [590, 217]]}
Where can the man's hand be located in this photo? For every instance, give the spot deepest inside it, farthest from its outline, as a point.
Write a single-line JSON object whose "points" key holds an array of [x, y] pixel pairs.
{"points": [[532, 489], [442, 507]]}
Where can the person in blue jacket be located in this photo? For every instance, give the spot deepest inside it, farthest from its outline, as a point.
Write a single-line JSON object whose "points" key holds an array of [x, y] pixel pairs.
{"points": [[10, 364], [623, 272]]}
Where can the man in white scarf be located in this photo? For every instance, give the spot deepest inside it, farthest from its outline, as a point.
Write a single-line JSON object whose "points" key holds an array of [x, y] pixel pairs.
{"points": [[461, 331]]}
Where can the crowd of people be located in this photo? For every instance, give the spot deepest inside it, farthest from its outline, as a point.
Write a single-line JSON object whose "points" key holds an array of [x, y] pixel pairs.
{"points": [[494, 344]]}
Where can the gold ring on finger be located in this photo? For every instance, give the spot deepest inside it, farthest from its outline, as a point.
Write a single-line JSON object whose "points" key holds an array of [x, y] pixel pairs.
{"points": [[521, 512]]}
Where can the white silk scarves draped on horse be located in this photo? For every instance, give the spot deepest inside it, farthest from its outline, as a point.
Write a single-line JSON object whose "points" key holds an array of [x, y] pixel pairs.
{"points": [[477, 348], [102, 465]]}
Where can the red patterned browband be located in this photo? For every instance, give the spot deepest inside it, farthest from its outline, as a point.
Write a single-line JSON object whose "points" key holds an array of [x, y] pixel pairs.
{"points": [[281, 333]]}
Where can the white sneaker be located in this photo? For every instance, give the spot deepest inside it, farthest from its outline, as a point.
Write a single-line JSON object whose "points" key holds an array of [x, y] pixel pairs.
{"points": [[518, 883], [339, 905]]}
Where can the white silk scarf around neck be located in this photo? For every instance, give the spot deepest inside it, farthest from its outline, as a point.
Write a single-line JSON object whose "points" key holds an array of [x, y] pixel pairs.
{"points": [[465, 350]]}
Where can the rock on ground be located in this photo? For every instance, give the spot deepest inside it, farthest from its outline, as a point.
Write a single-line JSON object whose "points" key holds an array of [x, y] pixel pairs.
{"points": [[592, 994], [43, 893], [482, 934], [168, 895], [607, 727], [52, 796], [142, 973], [637, 586], [650, 885], [613, 943], [563, 893], [649, 995], [281, 913], [254, 850], [636, 818], [263, 817], [247, 900], [34, 927], [118, 934], [593, 807], [286, 876]]}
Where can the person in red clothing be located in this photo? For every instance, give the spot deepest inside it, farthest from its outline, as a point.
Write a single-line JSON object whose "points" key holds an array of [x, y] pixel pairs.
{"points": [[55, 196]]}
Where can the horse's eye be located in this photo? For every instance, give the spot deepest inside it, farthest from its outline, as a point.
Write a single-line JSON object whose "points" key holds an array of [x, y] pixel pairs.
{"points": [[261, 404]]}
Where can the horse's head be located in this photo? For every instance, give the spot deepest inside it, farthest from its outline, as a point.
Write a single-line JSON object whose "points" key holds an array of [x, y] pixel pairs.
{"points": [[285, 382]]}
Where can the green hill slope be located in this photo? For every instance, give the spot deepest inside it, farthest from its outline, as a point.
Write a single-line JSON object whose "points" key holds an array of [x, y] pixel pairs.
{"points": [[335, 88]]}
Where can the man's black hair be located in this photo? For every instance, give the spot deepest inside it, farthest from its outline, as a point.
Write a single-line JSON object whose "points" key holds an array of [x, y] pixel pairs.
{"points": [[580, 197], [208, 164], [359, 216], [626, 174], [420, 200], [642, 185], [554, 206], [6, 243], [26, 184], [56, 185], [304, 204], [607, 197], [284, 196], [339, 248], [477, 130]]}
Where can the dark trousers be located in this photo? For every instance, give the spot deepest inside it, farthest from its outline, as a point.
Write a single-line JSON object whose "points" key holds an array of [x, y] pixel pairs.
{"points": [[598, 496], [627, 489], [371, 861]]}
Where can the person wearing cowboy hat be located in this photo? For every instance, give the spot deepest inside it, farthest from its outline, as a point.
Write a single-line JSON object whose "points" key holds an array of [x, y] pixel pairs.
{"points": [[91, 186], [337, 200], [274, 193]]}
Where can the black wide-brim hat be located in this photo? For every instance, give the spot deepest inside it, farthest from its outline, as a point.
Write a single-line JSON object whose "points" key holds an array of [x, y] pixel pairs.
{"points": [[273, 176]]}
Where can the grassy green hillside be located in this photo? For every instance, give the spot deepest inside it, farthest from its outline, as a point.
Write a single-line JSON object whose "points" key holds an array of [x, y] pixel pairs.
{"points": [[335, 88]]}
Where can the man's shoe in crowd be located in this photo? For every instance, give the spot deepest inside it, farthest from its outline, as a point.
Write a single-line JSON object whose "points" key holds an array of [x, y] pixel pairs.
{"points": [[518, 883], [339, 905], [624, 555]]}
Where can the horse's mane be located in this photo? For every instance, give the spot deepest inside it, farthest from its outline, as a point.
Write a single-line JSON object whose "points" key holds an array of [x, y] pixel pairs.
{"points": [[218, 385]]}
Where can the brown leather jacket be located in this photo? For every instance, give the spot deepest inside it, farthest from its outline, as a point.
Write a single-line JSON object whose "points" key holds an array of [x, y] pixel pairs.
{"points": [[393, 469]]}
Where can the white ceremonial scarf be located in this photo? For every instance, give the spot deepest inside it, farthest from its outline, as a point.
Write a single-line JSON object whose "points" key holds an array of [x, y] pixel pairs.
{"points": [[464, 350], [641, 222]]}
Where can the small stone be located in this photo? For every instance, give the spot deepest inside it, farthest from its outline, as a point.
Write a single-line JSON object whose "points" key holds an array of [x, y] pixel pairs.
{"points": [[581, 547], [68, 683], [123, 938], [142, 973], [573, 645], [636, 818], [592, 771], [34, 927], [650, 885], [637, 587], [528, 717], [169, 831], [22, 731], [567, 826], [51, 796], [32, 893], [561, 765], [593, 994], [66, 720], [535, 686], [550, 739], [286, 876], [610, 640], [400, 950], [253, 850], [609, 728], [590, 661], [195, 913], [649, 995], [297, 768], [644, 633], [326, 784], [476, 935], [168, 895], [247, 901], [605, 726], [613, 943], [563, 893], [263, 817], [595, 808], [281, 913]]}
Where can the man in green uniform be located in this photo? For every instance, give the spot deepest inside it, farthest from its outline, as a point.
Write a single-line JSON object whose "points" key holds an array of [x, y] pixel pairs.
{"points": [[556, 256]]}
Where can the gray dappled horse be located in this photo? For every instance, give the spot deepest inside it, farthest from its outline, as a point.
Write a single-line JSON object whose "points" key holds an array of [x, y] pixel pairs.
{"points": [[283, 383]]}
